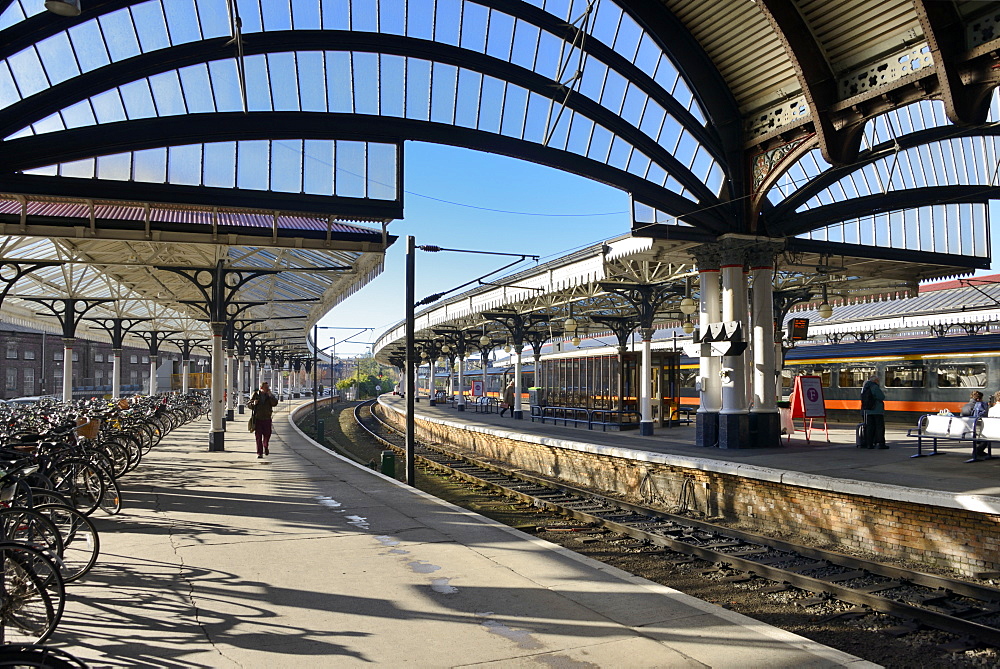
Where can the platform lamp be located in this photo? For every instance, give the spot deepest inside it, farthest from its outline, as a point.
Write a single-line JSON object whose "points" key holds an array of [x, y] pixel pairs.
{"points": [[63, 7], [825, 310]]}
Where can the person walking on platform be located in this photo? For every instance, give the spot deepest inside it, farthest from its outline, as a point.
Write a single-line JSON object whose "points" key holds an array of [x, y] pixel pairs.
{"points": [[261, 406], [508, 399], [873, 407]]}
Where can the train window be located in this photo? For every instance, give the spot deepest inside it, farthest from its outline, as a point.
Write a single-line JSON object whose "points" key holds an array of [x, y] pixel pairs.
{"points": [[855, 377], [686, 378], [787, 376], [961, 376], [904, 377]]}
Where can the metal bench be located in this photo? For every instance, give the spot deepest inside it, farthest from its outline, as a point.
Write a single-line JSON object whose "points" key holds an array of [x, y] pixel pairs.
{"points": [[989, 431], [485, 405], [937, 427]]}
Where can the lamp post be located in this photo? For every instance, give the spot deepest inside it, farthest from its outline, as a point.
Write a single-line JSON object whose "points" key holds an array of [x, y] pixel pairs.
{"points": [[411, 360]]}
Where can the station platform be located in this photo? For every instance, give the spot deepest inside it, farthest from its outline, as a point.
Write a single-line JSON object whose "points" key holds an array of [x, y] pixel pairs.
{"points": [[221, 559], [945, 480]]}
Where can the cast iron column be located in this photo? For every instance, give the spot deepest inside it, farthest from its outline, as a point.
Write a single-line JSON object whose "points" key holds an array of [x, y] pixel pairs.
{"points": [[709, 382], [734, 419]]}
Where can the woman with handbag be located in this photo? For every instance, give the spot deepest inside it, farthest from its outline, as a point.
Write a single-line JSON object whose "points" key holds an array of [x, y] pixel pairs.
{"points": [[261, 406]]}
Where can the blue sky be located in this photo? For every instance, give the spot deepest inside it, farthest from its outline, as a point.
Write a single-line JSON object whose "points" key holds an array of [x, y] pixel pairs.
{"points": [[567, 213]]}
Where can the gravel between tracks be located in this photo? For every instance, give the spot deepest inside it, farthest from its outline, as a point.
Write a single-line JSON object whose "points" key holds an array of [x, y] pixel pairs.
{"points": [[832, 623]]}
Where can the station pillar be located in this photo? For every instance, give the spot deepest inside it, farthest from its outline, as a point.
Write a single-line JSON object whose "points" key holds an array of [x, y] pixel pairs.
{"points": [[646, 385], [709, 382], [734, 417], [765, 423], [516, 410]]}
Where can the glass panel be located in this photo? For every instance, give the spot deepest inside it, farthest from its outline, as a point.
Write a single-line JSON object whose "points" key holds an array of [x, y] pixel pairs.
{"points": [[305, 15], [197, 89], [635, 100], [446, 26], [214, 18], [57, 56], [286, 166], [258, 88], [8, 91], [467, 112], [351, 169], [600, 145], [336, 14], [88, 45], [971, 375], [312, 81], [392, 77], [420, 19], [28, 72], [220, 165], [620, 153], [225, 85], [364, 16], [391, 19], [501, 35], [514, 108], [629, 34], [79, 115], [535, 123], [525, 44], [318, 167], [182, 21], [108, 107], [166, 89], [252, 161], [339, 82], [276, 15], [117, 167], [119, 35], [474, 19], [594, 73], [184, 165], [150, 165], [382, 171], [284, 81], [418, 83], [579, 136], [491, 105], [605, 24], [547, 57], [445, 83]]}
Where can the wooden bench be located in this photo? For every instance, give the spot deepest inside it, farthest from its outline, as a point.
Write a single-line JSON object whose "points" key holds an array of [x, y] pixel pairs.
{"points": [[937, 427]]}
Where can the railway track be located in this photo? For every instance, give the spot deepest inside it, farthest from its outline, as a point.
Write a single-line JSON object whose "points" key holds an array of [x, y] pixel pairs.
{"points": [[918, 600]]}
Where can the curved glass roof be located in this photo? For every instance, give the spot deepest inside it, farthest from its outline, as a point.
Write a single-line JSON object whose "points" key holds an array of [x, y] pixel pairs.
{"points": [[575, 77]]}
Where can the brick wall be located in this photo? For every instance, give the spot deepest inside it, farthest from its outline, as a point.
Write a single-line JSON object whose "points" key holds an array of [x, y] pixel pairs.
{"points": [[965, 541]]}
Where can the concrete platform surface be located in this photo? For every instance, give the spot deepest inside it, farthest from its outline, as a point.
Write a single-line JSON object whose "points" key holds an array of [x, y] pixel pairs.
{"points": [[943, 480], [303, 559]]}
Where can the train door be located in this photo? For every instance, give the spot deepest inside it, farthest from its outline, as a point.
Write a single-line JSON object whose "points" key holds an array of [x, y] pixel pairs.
{"points": [[665, 391]]}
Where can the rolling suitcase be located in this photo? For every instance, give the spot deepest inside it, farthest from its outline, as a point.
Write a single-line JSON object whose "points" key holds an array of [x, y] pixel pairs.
{"points": [[861, 433]]}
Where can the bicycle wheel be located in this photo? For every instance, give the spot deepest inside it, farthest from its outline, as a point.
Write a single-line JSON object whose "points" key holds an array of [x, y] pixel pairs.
{"points": [[81, 543], [81, 482], [27, 614], [27, 526], [111, 496]]}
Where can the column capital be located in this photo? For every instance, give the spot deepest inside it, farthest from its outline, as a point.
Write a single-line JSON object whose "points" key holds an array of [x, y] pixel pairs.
{"points": [[707, 257], [763, 254]]}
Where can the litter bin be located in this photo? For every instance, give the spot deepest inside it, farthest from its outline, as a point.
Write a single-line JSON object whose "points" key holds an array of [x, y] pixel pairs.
{"points": [[388, 464], [536, 396]]}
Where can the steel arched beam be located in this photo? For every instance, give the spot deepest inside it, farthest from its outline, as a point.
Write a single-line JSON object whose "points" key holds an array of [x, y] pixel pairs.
{"points": [[896, 200], [787, 207], [80, 88], [40, 150]]}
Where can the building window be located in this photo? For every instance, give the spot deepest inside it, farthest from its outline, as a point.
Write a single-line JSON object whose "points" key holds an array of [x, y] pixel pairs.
{"points": [[11, 380], [57, 355], [145, 359], [29, 381], [29, 354], [961, 376], [76, 356], [134, 359], [98, 357], [12, 351]]}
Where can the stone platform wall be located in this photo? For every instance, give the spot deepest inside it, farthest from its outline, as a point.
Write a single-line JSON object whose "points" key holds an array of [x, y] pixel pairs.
{"points": [[964, 540]]}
